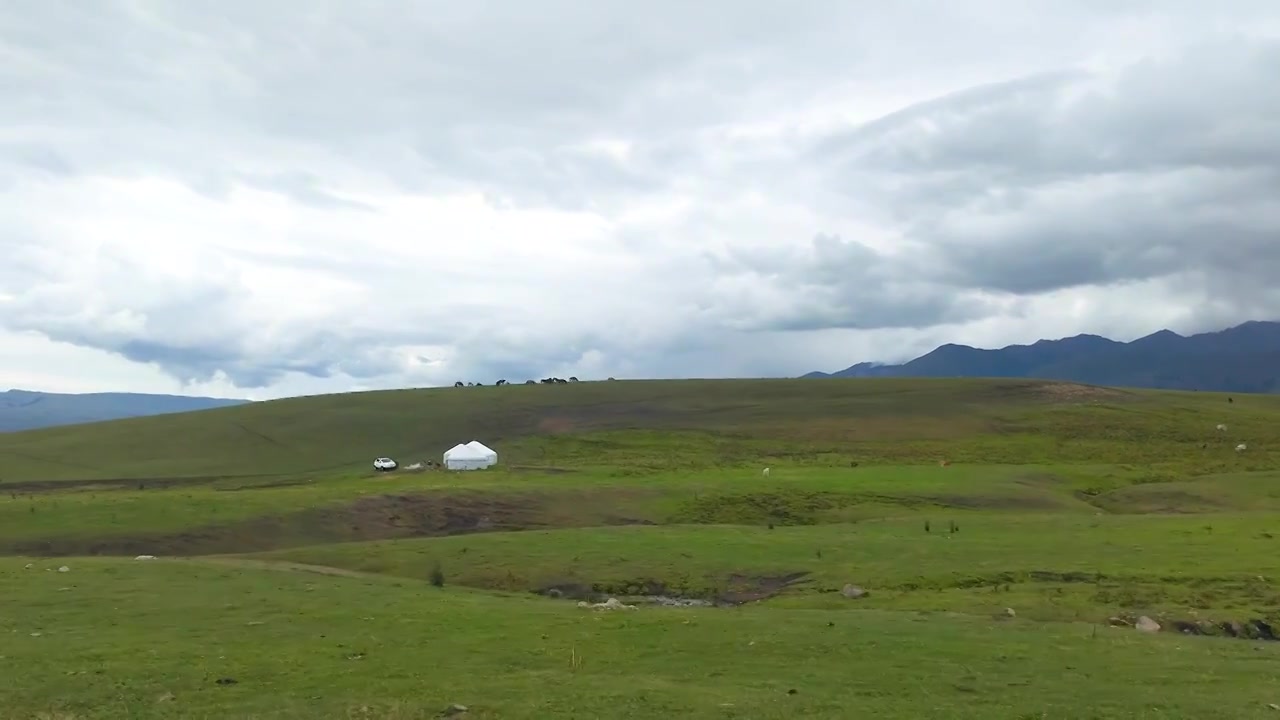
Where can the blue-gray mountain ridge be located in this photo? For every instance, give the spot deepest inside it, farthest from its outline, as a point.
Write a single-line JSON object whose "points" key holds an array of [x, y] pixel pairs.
{"points": [[28, 410], [1242, 359]]}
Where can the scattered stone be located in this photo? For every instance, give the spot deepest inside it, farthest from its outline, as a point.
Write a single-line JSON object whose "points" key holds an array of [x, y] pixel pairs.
{"points": [[613, 604], [167, 697], [1263, 630], [28, 566], [792, 691], [1010, 613], [555, 593], [64, 568], [853, 592], [1273, 706], [1187, 628], [253, 623], [453, 710], [145, 557], [1146, 624], [1117, 622]]}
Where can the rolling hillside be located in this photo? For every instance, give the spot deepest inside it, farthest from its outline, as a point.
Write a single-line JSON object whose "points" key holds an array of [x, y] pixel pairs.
{"points": [[1020, 530], [671, 424], [1245, 358], [26, 410]]}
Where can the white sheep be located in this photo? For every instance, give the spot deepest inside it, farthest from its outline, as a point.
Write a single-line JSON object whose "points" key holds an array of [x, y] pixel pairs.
{"points": [[1241, 447], [1222, 428], [765, 472]]}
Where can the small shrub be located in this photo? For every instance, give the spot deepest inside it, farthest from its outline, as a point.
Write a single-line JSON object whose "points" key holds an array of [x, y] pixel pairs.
{"points": [[437, 576]]}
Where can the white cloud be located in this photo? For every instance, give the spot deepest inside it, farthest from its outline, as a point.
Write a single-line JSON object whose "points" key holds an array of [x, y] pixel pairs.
{"points": [[260, 200]]}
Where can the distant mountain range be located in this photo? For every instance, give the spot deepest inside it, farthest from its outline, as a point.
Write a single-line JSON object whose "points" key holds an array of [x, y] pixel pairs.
{"points": [[27, 410], [1244, 359]]}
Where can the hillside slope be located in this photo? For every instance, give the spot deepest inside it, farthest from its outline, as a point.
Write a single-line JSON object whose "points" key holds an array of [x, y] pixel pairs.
{"points": [[1245, 358], [666, 424], [27, 410]]}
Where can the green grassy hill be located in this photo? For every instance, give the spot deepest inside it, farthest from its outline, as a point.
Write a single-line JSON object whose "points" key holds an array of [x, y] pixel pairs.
{"points": [[1008, 532], [686, 423]]}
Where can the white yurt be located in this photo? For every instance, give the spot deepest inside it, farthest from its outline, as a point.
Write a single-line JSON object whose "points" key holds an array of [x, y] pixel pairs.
{"points": [[469, 456], [482, 448]]}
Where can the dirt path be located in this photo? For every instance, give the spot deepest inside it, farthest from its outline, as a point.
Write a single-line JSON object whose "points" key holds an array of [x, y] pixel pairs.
{"points": [[286, 566]]}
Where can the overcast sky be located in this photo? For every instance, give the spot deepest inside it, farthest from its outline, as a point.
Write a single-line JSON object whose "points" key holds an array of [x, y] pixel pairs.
{"points": [[258, 199]]}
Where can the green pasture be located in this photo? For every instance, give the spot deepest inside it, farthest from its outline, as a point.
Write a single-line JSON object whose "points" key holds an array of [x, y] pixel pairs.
{"points": [[119, 639], [999, 527]]}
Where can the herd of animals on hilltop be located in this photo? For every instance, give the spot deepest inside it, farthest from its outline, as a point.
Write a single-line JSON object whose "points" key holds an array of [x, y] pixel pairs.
{"points": [[544, 381]]}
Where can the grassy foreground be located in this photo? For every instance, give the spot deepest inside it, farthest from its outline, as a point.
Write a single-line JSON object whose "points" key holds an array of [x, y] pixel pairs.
{"points": [[302, 581], [138, 640]]}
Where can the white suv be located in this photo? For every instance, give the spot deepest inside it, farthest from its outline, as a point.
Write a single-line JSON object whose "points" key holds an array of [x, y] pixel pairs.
{"points": [[384, 464]]}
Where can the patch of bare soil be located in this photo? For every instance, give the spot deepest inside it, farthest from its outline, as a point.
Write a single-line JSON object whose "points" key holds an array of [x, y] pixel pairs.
{"points": [[739, 588], [383, 517], [994, 502], [1078, 392], [1040, 480], [753, 588], [287, 482], [158, 483], [284, 566], [542, 470], [1154, 502], [598, 592], [1057, 391]]}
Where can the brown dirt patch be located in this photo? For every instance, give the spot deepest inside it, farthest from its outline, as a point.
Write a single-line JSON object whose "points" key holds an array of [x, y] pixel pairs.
{"points": [[159, 483], [994, 502], [1040, 480], [382, 517], [739, 588], [753, 588], [1162, 501], [598, 592], [1055, 391], [285, 566], [1078, 392], [542, 470]]}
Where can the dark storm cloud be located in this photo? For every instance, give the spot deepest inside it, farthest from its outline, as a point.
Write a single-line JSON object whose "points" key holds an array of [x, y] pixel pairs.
{"points": [[1169, 169]]}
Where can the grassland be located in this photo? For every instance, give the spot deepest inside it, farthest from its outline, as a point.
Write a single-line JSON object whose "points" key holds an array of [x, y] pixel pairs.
{"points": [[290, 567]]}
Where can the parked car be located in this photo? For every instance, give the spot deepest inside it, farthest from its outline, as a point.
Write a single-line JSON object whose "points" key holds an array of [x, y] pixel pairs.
{"points": [[384, 464]]}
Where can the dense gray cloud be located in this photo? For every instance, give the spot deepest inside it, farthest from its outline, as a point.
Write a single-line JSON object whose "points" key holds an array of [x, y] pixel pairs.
{"points": [[370, 194]]}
